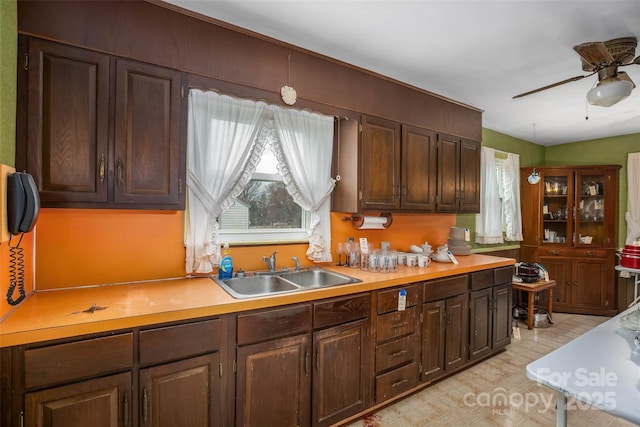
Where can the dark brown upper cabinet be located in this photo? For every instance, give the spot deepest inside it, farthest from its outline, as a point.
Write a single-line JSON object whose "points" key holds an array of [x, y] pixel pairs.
{"points": [[99, 131], [390, 172], [458, 183], [400, 167]]}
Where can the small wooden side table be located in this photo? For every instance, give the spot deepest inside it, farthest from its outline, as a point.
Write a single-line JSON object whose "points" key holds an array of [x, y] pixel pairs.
{"points": [[531, 289]]}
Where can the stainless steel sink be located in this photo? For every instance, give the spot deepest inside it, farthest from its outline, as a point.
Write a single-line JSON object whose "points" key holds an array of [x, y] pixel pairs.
{"points": [[252, 286], [318, 278], [257, 285]]}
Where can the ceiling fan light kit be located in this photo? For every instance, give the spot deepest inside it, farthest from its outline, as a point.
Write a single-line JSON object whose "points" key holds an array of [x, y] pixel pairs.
{"points": [[609, 92], [604, 58]]}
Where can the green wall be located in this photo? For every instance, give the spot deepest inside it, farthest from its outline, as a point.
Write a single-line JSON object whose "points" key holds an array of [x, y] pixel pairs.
{"points": [[8, 49], [612, 151]]}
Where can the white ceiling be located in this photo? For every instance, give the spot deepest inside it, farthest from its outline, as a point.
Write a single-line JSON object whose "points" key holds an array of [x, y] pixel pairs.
{"points": [[481, 53]]}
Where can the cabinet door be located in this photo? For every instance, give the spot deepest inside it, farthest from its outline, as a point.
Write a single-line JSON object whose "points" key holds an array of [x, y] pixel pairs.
{"points": [[560, 270], [590, 283], [341, 379], [481, 322], [556, 215], [502, 303], [418, 168], [448, 173], [101, 402], [181, 393], [67, 123], [148, 154], [596, 194], [469, 183], [380, 164], [456, 336], [433, 331], [273, 385]]}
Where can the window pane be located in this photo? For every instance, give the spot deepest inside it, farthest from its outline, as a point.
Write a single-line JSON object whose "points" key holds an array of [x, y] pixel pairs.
{"points": [[263, 205]]}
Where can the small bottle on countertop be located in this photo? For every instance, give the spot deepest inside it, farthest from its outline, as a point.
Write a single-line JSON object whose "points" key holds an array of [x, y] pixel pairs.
{"points": [[225, 271]]}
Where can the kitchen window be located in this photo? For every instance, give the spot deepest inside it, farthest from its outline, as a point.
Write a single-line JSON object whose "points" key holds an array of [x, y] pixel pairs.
{"points": [[227, 140], [499, 218], [264, 212]]}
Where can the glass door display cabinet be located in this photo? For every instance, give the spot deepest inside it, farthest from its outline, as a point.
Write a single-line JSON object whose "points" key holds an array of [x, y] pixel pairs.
{"points": [[569, 223]]}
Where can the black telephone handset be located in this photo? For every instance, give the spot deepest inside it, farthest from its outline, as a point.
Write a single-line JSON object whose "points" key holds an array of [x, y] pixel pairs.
{"points": [[23, 203], [23, 207]]}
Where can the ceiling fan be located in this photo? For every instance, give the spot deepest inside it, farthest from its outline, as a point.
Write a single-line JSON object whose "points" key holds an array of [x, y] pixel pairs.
{"points": [[604, 58]]}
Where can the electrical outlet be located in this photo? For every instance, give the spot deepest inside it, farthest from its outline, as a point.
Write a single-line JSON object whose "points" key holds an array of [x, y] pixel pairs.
{"points": [[4, 172]]}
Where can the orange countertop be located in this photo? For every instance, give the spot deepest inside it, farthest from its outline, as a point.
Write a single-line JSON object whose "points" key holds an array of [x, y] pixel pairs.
{"points": [[57, 314]]}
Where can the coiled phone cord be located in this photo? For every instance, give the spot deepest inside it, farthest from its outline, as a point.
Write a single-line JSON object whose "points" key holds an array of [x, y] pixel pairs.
{"points": [[16, 273]]}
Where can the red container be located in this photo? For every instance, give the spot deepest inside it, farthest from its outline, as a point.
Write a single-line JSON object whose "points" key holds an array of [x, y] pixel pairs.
{"points": [[630, 261], [631, 250]]}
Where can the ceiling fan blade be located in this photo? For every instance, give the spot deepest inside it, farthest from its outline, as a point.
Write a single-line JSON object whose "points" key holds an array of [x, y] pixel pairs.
{"points": [[572, 79], [594, 52], [624, 76]]}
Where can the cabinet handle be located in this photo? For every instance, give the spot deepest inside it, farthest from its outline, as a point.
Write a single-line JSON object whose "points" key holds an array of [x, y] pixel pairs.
{"points": [[554, 252], [590, 253], [575, 283], [120, 173], [125, 410], [399, 325], [101, 169], [398, 353], [306, 363], [568, 282], [145, 406], [400, 382]]}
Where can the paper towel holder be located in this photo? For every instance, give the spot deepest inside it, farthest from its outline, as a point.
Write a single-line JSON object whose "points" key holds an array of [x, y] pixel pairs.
{"points": [[358, 219]]}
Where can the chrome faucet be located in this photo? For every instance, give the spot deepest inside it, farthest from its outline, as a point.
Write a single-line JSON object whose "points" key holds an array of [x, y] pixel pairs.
{"points": [[297, 261], [271, 261]]}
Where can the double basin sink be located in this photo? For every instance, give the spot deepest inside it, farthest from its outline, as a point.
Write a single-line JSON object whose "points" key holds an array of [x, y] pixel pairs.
{"points": [[257, 285]]}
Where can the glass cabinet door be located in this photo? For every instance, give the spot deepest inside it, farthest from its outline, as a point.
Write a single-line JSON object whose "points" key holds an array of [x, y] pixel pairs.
{"points": [[557, 207], [590, 208]]}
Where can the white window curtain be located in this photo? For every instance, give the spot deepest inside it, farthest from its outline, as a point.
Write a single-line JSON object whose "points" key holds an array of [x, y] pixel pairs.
{"points": [[489, 220], [226, 138], [222, 153], [511, 198], [499, 193], [303, 150], [632, 216]]}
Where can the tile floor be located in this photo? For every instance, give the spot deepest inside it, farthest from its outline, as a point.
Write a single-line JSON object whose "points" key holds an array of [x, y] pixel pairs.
{"points": [[465, 399]]}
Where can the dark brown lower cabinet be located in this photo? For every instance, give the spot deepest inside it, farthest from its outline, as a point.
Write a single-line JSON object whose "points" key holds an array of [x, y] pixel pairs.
{"points": [[490, 320], [340, 377], [273, 383], [445, 326], [100, 402], [181, 393]]}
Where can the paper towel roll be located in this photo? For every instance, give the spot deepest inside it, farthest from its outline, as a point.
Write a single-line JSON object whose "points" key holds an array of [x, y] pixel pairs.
{"points": [[371, 223]]}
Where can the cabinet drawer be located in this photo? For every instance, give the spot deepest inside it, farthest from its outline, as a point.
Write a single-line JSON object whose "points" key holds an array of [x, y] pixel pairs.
{"points": [[77, 360], [444, 288], [396, 382], [396, 324], [503, 275], [388, 300], [180, 341], [266, 325], [396, 352], [481, 279], [337, 311], [575, 252]]}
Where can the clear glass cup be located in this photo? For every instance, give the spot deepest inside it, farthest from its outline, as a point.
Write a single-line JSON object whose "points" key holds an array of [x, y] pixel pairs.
{"points": [[374, 261]]}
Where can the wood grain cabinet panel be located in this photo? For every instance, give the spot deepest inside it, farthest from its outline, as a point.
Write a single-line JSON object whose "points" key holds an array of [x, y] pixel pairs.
{"points": [[71, 109], [100, 402]]}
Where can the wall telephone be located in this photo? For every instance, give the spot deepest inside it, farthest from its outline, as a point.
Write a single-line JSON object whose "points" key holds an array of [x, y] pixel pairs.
{"points": [[23, 207]]}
